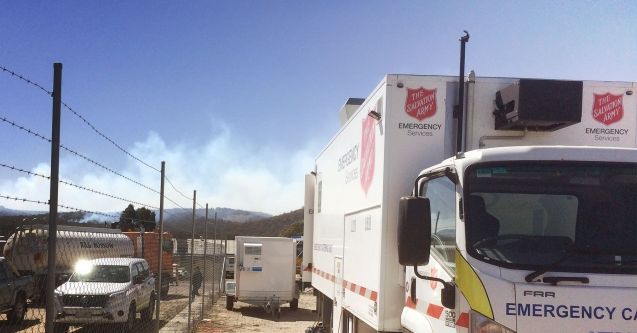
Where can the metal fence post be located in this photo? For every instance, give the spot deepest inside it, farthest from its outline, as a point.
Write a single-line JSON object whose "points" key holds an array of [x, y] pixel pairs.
{"points": [[214, 259], [205, 248], [53, 196], [192, 259], [161, 241]]}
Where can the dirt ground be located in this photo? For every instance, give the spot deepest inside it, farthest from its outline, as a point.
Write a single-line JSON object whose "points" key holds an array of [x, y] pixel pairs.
{"points": [[246, 318]]}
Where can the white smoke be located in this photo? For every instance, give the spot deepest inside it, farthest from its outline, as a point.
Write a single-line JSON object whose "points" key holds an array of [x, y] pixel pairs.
{"points": [[225, 171]]}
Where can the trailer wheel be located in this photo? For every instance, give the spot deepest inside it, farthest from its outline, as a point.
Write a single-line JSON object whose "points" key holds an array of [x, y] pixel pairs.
{"points": [[229, 303], [60, 328], [294, 304]]}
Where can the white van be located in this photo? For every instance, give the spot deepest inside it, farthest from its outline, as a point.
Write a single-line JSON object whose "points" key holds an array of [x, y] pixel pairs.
{"points": [[106, 291]]}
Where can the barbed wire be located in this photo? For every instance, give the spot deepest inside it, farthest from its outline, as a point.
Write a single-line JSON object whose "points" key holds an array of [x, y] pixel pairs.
{"points": [[177, 190], [89, 124], [25, 129], [76, 186], [79, 210], [77, 114], [40, 136], [173, 202], [31, 82], [88, 159]]}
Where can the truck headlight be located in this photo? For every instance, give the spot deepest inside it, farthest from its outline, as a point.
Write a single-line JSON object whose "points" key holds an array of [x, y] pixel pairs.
{"points": [[482, 324]]}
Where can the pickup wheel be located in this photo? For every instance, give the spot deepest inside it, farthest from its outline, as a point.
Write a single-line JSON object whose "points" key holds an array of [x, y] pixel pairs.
{"points": [[229, 303], [16, 315], [147, 313], [129, 325]]}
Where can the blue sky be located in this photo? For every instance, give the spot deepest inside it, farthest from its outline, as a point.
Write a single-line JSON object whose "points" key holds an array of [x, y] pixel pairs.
{"points": [[238, 97]]}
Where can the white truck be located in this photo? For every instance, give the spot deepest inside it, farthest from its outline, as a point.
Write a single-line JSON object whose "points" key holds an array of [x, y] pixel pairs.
{"points": [[521, 218], [26, 249], [265, 273]]}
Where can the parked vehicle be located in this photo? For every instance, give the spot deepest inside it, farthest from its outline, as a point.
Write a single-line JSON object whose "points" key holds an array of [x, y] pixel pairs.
{"points": [[145, 246], [518, 217], [228, 266], [106, 291], [265, 273], [14, 292], [26, 249]]}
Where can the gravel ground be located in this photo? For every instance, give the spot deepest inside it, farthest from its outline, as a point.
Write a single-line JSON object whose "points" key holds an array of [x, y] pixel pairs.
{"points": [[175, 302], [246, 318]]}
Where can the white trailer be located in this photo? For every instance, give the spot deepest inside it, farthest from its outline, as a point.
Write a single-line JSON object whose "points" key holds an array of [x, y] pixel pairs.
{"points": [[265, 273], [504, 234]]}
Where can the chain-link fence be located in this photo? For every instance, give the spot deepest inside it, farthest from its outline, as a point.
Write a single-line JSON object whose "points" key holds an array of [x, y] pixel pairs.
{"points": [[108, 280]]}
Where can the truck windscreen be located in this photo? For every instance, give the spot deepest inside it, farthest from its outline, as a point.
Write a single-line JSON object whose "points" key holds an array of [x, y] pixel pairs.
{"points": [[577, 217]]}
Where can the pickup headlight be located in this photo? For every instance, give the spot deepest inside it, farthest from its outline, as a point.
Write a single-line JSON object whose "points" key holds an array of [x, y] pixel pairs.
{"points": [[114, 298], [482, 324]]}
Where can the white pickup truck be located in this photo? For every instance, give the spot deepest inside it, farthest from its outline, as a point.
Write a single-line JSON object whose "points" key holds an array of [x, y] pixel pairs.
{"points": [[106, 291]]}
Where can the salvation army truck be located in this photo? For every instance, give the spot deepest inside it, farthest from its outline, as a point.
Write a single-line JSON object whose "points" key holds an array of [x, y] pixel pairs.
{"points": [[520, 217]]}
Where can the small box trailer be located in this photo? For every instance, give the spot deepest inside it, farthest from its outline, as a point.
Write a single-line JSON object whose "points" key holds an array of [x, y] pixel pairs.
{"points": [[265, 273]]}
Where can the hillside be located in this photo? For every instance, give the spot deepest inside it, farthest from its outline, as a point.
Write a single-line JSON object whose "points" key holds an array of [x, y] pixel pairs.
{"points": [[180, 223], [271, 226]]}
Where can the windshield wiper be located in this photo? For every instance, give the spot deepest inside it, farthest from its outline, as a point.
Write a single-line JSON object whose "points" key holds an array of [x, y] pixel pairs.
{"points": [[555, 279], [546, 268]]}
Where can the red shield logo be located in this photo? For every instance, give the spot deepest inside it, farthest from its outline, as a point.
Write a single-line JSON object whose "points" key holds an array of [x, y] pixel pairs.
{"points": [[368, 153], [608, 108], [420, 103], [434, 273]]}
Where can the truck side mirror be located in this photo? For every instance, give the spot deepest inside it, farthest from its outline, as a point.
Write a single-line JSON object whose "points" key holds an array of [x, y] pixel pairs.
{"points": [[414, 231], [448, 296]]}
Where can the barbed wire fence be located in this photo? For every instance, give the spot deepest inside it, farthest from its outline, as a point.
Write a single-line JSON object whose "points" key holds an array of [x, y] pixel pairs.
{"points": [[38, 246]]}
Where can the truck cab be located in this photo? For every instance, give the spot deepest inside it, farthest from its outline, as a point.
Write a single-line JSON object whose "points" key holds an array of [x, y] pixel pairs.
{"points": [[523, 239]]}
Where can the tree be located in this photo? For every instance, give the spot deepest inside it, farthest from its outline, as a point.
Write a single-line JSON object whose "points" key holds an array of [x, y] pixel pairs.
{"points": [[132, 219], [126, 219], [146, 217]]}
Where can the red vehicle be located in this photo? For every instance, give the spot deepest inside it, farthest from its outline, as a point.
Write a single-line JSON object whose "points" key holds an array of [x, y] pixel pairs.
{"points": [[145, 245]]}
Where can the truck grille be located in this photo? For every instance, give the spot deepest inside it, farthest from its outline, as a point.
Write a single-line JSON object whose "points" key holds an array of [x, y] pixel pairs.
{"points": [[85, 301]]}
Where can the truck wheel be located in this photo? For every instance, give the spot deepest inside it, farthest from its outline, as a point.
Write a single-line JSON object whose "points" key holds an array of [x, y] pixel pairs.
{"points": [[129, 325], [165, 285], [16, 315], [147, 313], [294, 304], [60, 328], [229, 303]]}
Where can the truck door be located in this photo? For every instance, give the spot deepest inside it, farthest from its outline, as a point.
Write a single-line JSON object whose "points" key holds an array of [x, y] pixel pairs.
{"points": [[424, 311]]}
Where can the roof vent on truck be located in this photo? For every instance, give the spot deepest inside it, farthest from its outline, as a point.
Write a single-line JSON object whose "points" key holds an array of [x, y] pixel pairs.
{"points": [[349, 108], [538, 105]]}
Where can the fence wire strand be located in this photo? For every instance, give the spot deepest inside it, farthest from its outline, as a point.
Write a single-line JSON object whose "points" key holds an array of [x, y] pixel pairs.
{"points": [[76, 186], [28, 81], [78, 115]]}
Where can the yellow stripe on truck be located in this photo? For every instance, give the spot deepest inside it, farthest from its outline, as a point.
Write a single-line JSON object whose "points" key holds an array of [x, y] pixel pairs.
{"points": [[471, 287]]}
